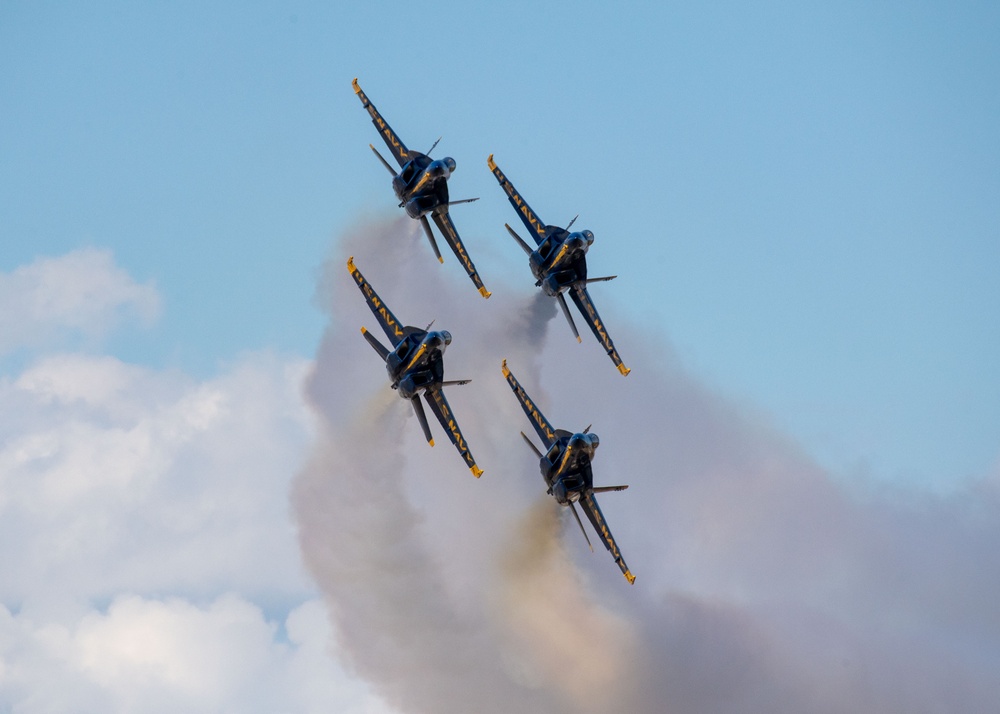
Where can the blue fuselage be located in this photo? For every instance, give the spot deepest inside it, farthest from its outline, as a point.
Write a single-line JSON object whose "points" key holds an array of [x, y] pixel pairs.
{"points": [[560, 259], [417, 362], [422, 185], [566, 466]]}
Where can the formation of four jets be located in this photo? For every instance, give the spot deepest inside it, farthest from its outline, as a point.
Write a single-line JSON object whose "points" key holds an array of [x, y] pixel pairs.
{"points": [[415, 362]]}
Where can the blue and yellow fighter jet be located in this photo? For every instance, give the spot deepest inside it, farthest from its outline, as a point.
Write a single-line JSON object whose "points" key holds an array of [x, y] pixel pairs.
{"points": [[422, 187], [565, 466], [559, 264], [415, 365]]}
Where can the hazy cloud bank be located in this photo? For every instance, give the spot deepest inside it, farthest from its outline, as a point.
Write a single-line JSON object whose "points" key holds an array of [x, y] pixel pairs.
{"points": [[763, 583]]}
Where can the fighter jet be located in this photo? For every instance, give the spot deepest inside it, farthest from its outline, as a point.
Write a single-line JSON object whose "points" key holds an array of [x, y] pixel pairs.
{"points": [[559, 264], [422, 188], [415, 366], [565, 466]]}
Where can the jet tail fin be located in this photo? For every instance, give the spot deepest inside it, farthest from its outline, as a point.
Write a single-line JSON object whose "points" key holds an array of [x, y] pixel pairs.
{"points": [[430, 236], [569, 318], [418, 409]]}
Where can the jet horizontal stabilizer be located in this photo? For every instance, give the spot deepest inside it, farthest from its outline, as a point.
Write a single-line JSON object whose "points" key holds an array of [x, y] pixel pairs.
{"points": [[384, 162], [533, 447], [606, 489], [601, 280], [463, 200], [455, 382], [382, 350], [524, 246]]}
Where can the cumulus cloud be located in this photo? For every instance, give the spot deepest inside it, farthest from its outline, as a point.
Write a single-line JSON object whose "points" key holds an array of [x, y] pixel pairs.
{"points": [[763, 583], [149, 558], [82, 293], [114, 476], [172, 655]]}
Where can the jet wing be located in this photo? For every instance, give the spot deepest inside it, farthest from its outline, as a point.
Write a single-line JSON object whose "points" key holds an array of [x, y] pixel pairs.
{"points": [[582, 299], [447, 228], [439, 405], [397, 147], [596, 518], [534, 224], [546, 433], [392, 327]]}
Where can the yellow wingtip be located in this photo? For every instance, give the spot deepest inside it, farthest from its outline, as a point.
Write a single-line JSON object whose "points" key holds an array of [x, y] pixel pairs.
{"points": [[350, 264], [624, 370], [363, 331], [503, 368], [431, 442], [357, 87], [441, 260], [491, 163], [484, 292], [630, 577], [579, 340], [476, 471]]}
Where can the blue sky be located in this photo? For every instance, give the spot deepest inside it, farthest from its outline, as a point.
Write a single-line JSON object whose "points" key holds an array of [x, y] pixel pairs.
{"points": [[800, 201]]}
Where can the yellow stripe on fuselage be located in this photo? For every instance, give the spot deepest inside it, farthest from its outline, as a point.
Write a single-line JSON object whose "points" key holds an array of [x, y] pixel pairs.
{"points": [[416, 357]]}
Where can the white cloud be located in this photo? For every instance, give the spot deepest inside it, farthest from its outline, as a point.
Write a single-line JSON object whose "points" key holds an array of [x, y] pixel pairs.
{"points": [[118, 477], [172, 655], [80, 293], [144, 520]]}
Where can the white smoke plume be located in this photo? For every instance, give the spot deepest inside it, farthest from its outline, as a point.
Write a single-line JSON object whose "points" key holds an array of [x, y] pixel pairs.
{"points": [[762, 583]]}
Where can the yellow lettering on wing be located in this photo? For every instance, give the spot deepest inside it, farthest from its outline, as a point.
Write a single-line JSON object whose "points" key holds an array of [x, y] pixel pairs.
{"points": [[383, 126], [519, 203], [534, 414], [456, 435], [595, 320]]}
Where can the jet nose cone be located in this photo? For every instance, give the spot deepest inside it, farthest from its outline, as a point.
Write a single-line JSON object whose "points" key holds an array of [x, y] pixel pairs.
{"points": [[580, 241], [442, 167], [441, 338]]}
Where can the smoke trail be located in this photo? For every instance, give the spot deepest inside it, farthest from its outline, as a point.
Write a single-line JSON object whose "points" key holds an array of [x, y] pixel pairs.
{"points": [[762, 584]]}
